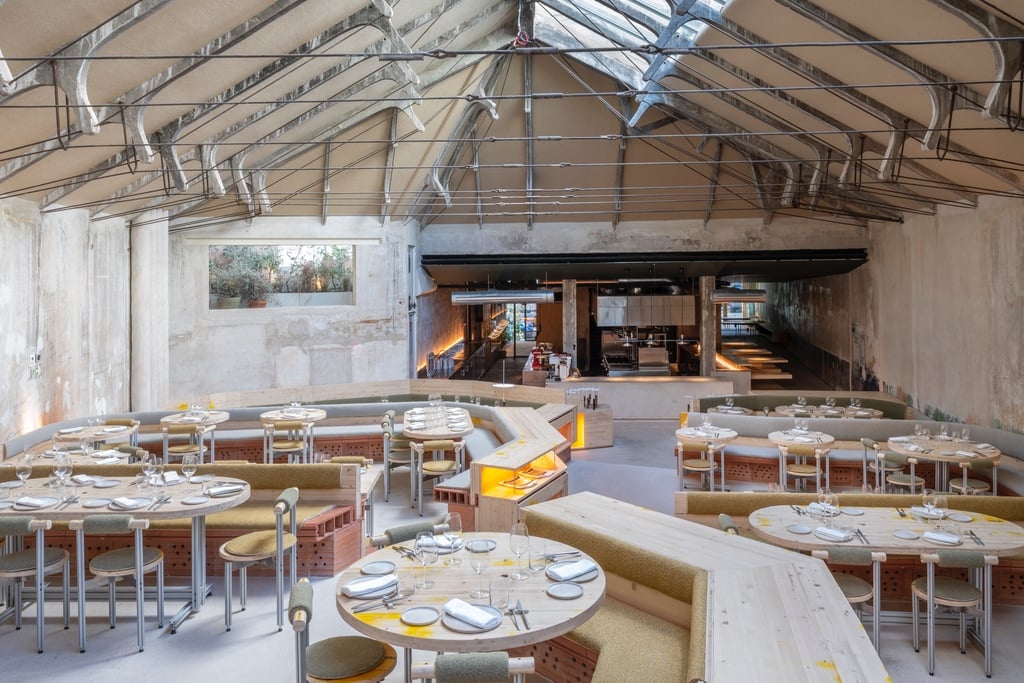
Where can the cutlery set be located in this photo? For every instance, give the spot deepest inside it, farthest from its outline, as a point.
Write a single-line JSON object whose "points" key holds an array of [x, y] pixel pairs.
{"points": [[974, 537], [519, 612], [901, 512], [162, 500], [861, 536], [68, 502], [387, 601]]}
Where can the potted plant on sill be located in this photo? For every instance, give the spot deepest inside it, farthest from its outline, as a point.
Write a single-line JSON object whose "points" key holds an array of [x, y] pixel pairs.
{"points": [[226, 283], [255, 287]]}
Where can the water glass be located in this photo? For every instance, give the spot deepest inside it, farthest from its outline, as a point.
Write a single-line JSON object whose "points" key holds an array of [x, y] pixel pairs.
{"points": [[426, 552], [538, 555], [502, 588], [519, 544], [453, 532], [728, 402], [479, 560]]}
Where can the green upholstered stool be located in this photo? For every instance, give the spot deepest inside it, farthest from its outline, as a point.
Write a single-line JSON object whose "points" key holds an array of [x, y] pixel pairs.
{"points": [[474, 667], [135, 562], [956, 594], [259, 546], [342, 659], [37, 562]]}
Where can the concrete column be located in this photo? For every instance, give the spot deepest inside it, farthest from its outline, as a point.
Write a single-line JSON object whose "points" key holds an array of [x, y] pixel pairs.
{"points": [[569, 314], [150, 329], [708, 326]]}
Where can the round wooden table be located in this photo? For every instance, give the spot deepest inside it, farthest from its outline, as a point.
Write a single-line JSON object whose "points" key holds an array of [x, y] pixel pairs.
{"points": [[548, 616], [828, 411], [93, 433], [794, 437], [457, 424], [942, 451], [203, 417]]}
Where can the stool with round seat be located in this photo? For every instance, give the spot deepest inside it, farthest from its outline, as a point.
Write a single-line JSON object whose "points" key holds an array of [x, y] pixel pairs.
{"points": [[699, 457], [946, 591], [37, 562], [968, 485], [856, 590], [341, 659], [905, 480], [397, 453], [186, 439], [881, 463], [135, 562], [801, 469], [292, 438]]}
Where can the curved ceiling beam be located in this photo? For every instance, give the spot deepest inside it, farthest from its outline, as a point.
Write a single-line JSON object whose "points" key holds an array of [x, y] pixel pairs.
{"points": [[68, 68], [1007, 53], [896, 121]]}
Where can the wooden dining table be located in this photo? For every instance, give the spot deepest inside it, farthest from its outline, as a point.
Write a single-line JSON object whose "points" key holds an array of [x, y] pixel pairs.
{"points": [[547, 616], [456, 424], [942, 451], [797, 437], [184, 501]]}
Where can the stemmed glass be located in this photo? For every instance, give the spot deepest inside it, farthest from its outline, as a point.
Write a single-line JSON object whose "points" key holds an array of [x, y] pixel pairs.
{"points": [[453, 532], [426, 551], [23, 469], [941, 505], [148, 470], [729, 402], [830, 502], [928, 501], [519, 543], [479, 560], [62, 467], [189, 464]]}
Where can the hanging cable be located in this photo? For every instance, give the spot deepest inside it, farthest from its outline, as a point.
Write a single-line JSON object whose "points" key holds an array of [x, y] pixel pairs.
{"points": [[942, 147], [56, 109]]}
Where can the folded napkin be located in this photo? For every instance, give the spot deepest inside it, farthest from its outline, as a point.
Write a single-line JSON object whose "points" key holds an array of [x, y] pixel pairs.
{"points": [[474, 616], [572, 570], [913, 447], [967, 454], [822, 509], [171, 477], [125, 503], [925, 512], [984, 446], [108, 453], [82, 479], [900, 439], [115, 428], [368, 584], [108, 461], [943, 537], [224, 490], [832, 534], [30, 502]]}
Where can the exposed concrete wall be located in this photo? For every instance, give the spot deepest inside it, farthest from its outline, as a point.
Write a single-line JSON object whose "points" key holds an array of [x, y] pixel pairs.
{"points": [[947, 312], [64, 295], [215, 350]]}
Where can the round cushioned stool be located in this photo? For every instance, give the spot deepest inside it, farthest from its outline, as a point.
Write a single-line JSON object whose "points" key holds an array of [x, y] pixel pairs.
{"points": [[349, 659]]}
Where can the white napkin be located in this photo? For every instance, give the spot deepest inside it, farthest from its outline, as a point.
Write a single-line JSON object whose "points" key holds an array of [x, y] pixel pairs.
{"points": [[30, 502], [126, 503], [171, 477], [224, 490], [191, 418], [82, 479], [115, 428], [108, 461], [984, 446], [441, 541], [943, 537], [967, 454], [474, 616], [364, 585], [822, 509], [568, 572], [832, 534], [925, 512], [108, 453], [900, 439]]}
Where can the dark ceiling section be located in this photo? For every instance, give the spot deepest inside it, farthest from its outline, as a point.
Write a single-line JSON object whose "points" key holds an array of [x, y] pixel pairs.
{"points": [[636, 270]]}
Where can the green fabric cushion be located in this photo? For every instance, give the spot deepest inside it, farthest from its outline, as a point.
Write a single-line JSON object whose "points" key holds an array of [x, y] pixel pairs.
{"points": [[15, 525], [621, 632], [474, 667], [854, 588], [25, 561], [257, 543], [301, 598], [343, 656], [122, 560], [948, 589], [407, 532], [107, 524], [848, 555]]}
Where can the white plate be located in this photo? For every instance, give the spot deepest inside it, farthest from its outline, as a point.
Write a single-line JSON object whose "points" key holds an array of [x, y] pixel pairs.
{"points": [[582, 578], [6, 504], [106, 483], [12, 484], [906, 534], [460, 626], [70, 430], [195, 500], [138, 503], [853, 512], [96, 503], [378, 568], [798, 529], [482, 542], [420, 616], [959, 517], [925, 514], [50, 501], [200, 478], [565, 590]]}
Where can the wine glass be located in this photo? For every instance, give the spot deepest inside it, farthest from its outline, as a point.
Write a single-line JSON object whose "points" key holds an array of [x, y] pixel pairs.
{"points": [[23, 469], [519, 543], [941, 505], [149, 464], [453, 532], [479, 560], [62, 466], [928, 501], [729, 402], [426, 552], [830, 503], [801, 401], [189, 464]]}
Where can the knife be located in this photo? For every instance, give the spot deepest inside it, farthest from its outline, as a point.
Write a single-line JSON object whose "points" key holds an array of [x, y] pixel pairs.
{"points": [[975, 537], [522, 612], [512, 613]]}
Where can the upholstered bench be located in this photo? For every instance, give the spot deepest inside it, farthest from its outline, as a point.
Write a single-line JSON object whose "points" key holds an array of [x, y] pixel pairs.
{"points": [[643, 630]]}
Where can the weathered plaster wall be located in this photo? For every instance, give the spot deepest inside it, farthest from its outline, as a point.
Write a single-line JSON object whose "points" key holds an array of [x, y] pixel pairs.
{"points": [[64, 295], [946, 312], [215, 350]]}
